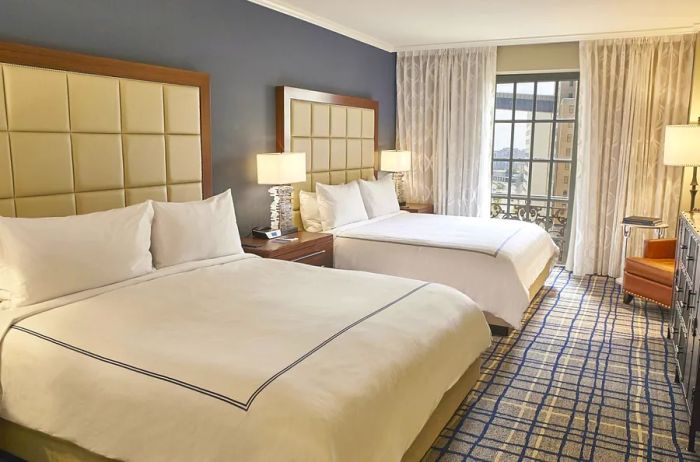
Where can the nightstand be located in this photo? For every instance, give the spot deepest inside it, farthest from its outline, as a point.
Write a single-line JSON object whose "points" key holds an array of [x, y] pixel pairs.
{"points": [[418, 208], [310, 248]]}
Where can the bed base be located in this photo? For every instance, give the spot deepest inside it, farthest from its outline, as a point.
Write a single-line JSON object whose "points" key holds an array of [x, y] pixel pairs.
{"points": [[34, 446], [501, 328], [443, 413]]}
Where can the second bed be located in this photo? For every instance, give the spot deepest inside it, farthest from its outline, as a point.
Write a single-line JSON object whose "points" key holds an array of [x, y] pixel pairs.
{"points": [[500, 264]]}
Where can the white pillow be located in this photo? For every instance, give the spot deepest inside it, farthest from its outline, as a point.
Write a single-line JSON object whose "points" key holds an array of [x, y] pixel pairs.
{"points": [[379, 197], [45, 258], [340, 204], [189, 231], [310, 216]]}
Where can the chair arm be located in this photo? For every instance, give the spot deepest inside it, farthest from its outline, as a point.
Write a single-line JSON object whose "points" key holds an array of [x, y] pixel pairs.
{"points": [[660, 248]]}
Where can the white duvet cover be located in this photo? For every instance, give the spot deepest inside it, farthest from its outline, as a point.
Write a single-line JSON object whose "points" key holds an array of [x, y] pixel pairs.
{"points": [[240, 358], [493, 261]]}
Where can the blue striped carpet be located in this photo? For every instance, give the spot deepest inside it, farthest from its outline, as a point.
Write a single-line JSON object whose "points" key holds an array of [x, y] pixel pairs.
{"points": [[587, 378]]}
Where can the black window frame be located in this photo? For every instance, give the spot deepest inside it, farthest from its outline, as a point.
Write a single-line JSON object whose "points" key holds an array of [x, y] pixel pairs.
{"points": [[551, 161]]}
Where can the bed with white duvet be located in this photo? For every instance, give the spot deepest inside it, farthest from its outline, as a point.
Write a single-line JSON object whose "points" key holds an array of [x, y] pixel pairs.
{"points": [[230, 358], [495, 262]]}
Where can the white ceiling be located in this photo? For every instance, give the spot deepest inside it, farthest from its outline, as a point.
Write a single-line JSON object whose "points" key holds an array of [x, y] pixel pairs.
{"points": [[409, 24]]}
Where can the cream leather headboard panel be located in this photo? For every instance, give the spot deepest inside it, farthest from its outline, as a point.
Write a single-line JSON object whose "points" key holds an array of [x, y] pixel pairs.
{"points": [[337, 133], [73, 143]]}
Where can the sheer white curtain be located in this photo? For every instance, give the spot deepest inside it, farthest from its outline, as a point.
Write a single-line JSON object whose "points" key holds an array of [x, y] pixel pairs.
{"points": [[445, 103], [630, 90]]}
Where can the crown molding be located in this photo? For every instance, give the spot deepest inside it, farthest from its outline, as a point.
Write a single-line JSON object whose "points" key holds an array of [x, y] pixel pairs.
{"points": [[311, 18], [556, 38], [319, 21]]}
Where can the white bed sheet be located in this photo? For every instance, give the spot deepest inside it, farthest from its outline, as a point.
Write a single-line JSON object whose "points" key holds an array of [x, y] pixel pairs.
{"points": [[492, 261], [240, 358]]}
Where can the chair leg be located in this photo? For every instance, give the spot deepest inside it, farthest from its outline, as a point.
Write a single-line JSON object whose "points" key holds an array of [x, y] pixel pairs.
{"points": [[627, 298]]}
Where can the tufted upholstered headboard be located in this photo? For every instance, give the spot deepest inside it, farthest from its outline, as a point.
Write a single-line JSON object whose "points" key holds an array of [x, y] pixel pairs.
{"points": [[338, 134], [81, 133]]}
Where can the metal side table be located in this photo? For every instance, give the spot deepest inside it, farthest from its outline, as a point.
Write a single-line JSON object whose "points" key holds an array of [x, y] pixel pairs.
{"points": [[627, 231]]}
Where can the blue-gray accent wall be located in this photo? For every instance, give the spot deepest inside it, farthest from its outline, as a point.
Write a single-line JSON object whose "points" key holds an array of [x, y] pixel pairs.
{"points": [[247, 50]]}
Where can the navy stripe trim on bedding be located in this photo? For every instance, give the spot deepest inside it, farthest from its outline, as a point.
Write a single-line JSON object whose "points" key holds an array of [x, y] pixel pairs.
{"points": [[435, 246], [226, 399]]}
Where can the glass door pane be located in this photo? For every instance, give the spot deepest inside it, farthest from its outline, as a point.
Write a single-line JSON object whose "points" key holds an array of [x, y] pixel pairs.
{"points": [[542, 142], [504, 101], [545, 100], [524, 98]]}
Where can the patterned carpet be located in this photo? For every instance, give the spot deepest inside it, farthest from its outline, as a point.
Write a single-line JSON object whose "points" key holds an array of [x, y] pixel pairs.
{"points": [[588, 378]]}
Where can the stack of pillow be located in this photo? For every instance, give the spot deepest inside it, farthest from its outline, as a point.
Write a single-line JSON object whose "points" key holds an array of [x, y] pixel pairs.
{"points": [[332, 206], [45, 258]]}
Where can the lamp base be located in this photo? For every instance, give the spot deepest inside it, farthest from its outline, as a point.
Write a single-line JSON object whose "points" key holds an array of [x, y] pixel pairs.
{"points": [[292, 230], [398, 185], [281, 207], [693, 189]]}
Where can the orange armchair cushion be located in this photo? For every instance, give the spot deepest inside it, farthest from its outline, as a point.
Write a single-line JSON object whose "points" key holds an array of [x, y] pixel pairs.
{"points": [[655, 269], [651, 276]]}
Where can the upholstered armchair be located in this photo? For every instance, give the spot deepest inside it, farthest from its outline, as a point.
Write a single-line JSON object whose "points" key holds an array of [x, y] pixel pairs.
{"points": [[650, 277]]}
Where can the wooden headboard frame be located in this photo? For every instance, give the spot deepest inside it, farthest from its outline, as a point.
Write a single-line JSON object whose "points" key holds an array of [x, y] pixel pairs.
{"points": [[338, 133], [26, 55], [285, 95]]}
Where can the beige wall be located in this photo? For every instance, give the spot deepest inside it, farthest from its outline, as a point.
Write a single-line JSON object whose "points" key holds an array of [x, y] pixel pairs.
{"points": [[694, 114], [545, 57]]}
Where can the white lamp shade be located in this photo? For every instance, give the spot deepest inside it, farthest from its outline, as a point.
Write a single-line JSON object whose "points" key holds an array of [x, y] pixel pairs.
{"points": [[395, 161], [281, 168], [682, 145]]}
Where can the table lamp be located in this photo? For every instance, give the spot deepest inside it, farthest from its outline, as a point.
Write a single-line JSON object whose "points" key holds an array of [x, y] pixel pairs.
{"points": [[396, 162], [682, 148], [281, 170]]}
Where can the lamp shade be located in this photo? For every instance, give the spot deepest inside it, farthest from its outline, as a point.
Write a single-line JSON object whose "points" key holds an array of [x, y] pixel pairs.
{"points": [[395, 161], [682, 145], [281, 168]]}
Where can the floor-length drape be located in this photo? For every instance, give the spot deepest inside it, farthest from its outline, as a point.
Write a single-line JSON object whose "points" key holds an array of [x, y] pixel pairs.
{"points": [[445, 103], [630, 90]]}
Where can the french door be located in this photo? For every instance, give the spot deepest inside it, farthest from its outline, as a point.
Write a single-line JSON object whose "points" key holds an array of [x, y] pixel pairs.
{"points": [[534, 151]]}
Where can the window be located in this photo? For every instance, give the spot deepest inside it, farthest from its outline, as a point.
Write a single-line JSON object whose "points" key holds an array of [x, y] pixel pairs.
{"points": [[534, 149]]}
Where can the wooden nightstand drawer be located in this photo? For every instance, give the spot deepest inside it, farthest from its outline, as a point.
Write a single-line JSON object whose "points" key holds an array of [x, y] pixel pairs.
{"points": [[418, 208], [310, 248], [321, 257], [318, 252]]}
